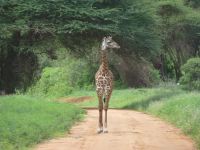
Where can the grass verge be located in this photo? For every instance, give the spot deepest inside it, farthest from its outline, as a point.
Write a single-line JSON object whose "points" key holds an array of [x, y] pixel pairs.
{"points": [[26, 121]]}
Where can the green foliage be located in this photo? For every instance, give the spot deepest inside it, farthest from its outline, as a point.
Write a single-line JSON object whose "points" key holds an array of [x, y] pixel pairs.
{"points": [[154, 76], [40, 27], [36, 21], [180, 30], [191, 74], [168, 9], [62, 78], [26, 121], [193, 3], [118, 84], [53, 83]]}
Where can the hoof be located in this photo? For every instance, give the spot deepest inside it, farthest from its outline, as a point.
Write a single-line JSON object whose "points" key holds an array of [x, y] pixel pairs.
{"points": [[105, 131], [99, 130]]}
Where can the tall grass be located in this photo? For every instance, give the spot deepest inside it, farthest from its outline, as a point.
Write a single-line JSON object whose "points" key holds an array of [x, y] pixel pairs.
{"points": [[25, 121]]}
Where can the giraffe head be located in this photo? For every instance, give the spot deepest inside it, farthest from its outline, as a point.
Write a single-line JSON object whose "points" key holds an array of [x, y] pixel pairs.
{"points": [[109, 43]]}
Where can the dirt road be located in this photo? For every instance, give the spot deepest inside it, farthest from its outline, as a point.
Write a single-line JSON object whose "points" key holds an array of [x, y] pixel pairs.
{"points": [[128, 130]]}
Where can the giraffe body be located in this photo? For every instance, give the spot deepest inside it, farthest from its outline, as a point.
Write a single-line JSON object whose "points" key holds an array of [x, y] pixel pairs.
{"points": [[104, 82]]}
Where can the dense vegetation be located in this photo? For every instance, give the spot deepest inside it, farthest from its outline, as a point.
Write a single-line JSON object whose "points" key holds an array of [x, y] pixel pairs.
{"points": [[168, 102], [191, 74], [26, 121], [157, 34], [62, 77]]}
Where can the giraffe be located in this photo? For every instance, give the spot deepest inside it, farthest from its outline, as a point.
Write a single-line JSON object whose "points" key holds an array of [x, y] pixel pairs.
{"points": [[104, 82]]}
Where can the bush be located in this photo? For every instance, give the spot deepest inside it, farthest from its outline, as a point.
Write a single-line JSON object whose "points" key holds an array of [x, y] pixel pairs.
{"points": [[154, 76], [191, 74], [62, 78]]}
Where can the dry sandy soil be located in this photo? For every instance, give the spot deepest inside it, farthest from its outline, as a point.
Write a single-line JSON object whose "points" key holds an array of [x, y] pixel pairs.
{"points": [[128, 130]]}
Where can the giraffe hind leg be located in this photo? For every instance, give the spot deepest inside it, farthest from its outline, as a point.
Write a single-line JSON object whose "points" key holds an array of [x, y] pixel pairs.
{"points": [[106, 105], [100, 128]]}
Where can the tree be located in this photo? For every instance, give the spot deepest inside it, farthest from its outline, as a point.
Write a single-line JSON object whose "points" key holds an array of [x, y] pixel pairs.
{"points": [[35, 27], [180, 34]]}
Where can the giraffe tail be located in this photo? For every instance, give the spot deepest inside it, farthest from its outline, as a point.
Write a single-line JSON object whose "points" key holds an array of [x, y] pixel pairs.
{"points": [[104, 99]]}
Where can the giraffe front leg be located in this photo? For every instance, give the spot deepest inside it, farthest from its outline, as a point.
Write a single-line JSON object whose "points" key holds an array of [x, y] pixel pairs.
{"points": [[100, 128], [105, 130]]}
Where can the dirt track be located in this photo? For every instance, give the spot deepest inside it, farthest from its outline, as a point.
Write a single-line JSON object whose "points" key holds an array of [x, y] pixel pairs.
{"points": [[128, 130]]}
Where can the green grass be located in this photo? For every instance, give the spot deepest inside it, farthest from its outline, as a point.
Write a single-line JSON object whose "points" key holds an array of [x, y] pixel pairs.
{"points": [[26, 121], [179, 107], [130, 98]]}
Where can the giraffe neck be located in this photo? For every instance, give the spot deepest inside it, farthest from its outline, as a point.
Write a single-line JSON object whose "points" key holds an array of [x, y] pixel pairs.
{"points": [[104, 60]]}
